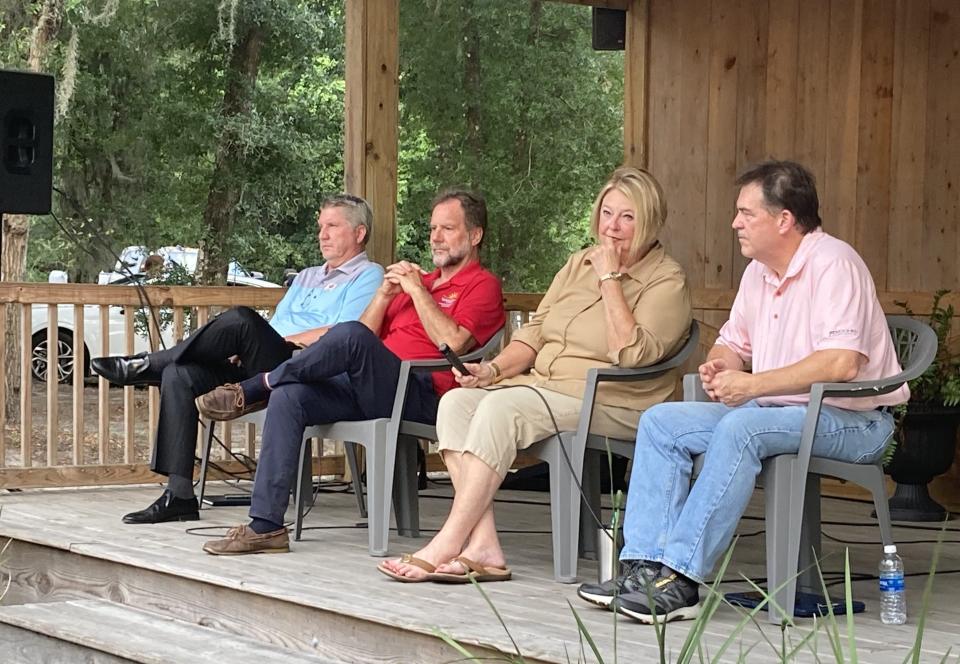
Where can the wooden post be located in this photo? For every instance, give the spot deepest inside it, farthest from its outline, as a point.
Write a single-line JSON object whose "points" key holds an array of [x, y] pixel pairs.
{"points": [[53, 384], [26, 386], [371, 114], [79, 360], [635, 76]]}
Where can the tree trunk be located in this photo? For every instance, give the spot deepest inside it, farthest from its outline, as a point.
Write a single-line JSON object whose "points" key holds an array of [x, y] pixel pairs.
{"points": [[226, 182], [16, 227]]}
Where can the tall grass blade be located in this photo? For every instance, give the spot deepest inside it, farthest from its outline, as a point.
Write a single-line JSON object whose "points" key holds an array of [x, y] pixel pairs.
{"points": [[848, 598], [751, 615], [453, 643], [927, 591], [3, 557], [585, 634], [710, 605], [831, 627], [486, 598]]}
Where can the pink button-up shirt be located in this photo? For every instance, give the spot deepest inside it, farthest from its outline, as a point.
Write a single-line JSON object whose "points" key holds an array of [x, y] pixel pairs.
{"points": [[825, 300]]}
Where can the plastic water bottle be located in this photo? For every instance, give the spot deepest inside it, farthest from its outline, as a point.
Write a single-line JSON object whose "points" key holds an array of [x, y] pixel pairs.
{"points": [[893, 602]]}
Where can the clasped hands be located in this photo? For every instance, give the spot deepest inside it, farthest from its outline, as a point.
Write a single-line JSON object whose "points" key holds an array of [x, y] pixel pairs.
{"points": [[728, 386], [403, 277]]}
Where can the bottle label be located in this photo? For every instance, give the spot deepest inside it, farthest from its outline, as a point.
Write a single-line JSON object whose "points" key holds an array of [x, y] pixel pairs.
{"points": [[891, 584]]}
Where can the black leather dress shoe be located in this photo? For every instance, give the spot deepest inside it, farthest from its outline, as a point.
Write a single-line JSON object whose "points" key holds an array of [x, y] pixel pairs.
{"points": [[166, 508], [120, 370]]}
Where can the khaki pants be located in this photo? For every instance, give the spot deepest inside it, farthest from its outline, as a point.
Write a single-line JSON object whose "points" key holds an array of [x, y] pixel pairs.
{"points": [[493, 423]]}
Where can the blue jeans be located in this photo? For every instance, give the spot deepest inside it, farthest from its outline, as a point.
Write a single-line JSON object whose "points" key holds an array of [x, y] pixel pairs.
{"points": [[688, 528]]}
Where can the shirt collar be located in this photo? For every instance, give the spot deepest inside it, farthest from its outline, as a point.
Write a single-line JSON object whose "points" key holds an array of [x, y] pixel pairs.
{"points": [[350, 266], [799, 259]]}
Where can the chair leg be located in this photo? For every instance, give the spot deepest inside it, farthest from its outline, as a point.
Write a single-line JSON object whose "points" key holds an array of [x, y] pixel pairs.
{"points": [[783, 536], [406, 506], [808, 579], [872, 478], [381, 458], [350, 449], [304, 491], [205, 459], [564, 506], [594, 464]]}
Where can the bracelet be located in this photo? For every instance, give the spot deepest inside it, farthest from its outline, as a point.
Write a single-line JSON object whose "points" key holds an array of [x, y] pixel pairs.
{"points": [[497, 374], [616, 276]]}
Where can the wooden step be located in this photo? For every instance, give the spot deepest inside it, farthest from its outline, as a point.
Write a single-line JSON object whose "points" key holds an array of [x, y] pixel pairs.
{"points": [[23, 646], [135, 635]]}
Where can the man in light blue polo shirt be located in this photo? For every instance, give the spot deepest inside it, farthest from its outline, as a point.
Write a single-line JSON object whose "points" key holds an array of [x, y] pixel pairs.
{"points": [[239, 344]]}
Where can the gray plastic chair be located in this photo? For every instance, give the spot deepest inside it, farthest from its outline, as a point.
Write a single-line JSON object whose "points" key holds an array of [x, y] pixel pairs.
{"points": [[792, 481], [391, 445], [380, 437], [565, 456]]}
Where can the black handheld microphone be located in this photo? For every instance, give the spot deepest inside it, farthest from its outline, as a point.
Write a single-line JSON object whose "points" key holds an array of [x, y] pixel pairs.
{"points": [[452, 358]]}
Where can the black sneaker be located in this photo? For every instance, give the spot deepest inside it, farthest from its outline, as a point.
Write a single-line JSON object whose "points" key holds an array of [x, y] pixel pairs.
{"points": [[675, 597], [636, 575]]}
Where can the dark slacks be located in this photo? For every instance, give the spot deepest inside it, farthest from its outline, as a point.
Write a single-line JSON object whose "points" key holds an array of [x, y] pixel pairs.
{"points": [[347, 375], [197, 365]]}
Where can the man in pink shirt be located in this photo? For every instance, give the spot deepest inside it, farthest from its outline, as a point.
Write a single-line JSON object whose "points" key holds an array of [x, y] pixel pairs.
{"points": [[806, 312]]}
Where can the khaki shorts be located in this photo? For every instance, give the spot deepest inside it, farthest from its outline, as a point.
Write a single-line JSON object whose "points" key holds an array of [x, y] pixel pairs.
{"points": [[493, 423]]}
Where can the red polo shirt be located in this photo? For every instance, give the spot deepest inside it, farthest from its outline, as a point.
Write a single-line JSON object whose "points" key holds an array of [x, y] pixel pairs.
{"points": [[472, 298]]}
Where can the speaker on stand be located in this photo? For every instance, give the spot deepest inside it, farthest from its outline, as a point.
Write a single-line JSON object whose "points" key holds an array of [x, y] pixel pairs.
{"points": [[26, 142]]}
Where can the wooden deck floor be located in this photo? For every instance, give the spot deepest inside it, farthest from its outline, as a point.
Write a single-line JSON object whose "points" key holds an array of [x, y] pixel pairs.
{"points": [[353, 613]]}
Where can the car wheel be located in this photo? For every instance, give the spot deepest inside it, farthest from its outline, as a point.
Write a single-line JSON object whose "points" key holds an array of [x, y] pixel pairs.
{"points": [[38, 361]]}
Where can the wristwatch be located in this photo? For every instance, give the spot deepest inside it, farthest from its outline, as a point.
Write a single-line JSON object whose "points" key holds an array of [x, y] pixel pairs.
{"points": [[616, 276]]}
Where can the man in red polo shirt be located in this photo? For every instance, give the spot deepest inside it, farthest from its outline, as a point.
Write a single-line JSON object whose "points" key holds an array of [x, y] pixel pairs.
{"points": [[351, 372]]}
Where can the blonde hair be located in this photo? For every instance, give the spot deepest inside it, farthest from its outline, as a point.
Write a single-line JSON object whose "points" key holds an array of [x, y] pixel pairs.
{"points": [[643, 190]]}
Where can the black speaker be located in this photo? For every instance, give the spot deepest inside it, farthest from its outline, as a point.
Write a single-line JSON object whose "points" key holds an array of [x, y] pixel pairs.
{"points": [[26, 142], [609, 29]]}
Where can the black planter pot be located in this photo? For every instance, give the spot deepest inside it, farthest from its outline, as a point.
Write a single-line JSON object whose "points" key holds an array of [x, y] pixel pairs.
{"points": [[926, 450]]}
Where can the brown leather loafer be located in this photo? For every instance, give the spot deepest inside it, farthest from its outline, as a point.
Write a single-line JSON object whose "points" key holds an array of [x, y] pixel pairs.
{"points": [[241, 540], [226, 403]]}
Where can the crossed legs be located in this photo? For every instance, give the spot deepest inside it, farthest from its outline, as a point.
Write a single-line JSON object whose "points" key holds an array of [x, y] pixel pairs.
{"points": [[480, 432]]}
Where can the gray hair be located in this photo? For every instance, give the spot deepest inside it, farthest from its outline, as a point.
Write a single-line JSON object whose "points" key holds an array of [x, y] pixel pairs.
{"points": [[355, 209]]}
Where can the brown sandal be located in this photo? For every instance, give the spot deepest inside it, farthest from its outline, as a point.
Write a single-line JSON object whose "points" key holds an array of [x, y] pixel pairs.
{"points": [[407, 559], [476, 571]]}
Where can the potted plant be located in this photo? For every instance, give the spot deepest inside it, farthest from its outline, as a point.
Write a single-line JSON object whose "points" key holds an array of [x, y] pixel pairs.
{"points": [[926, 431]]}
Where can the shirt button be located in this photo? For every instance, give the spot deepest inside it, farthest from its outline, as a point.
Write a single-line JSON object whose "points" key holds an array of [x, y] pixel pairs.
{"points": [[776, 315], [778, 293]]}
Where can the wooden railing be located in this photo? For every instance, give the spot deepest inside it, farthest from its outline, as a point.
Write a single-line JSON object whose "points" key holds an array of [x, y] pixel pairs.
{"points": [[109, 432]]}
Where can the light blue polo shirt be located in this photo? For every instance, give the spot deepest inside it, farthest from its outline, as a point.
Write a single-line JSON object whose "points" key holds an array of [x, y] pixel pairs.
{"points": [[318, 297]]}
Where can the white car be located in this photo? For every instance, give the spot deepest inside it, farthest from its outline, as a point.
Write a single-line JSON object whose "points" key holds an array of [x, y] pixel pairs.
{"points": [[92, 334], [131, 258]]}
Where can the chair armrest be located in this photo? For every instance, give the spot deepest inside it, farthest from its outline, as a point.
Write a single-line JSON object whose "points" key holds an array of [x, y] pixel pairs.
{"points": [[431, 365], [623, 374], [865, 388]]}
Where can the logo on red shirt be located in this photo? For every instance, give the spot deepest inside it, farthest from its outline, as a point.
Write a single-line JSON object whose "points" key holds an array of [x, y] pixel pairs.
{"points": [[449, 300]]}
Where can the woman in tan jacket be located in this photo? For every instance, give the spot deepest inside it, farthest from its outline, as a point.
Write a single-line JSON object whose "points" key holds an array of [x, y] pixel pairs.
{"points": [[623, 302]]}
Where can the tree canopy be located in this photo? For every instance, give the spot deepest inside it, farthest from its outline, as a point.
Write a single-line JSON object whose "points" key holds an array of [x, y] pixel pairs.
{"points": [[502, 95]]}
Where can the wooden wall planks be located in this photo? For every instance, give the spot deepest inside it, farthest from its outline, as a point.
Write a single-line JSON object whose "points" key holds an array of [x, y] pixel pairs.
{"points": [[864, 92]]}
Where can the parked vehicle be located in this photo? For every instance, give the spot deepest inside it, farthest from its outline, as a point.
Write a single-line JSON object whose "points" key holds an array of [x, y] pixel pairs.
{"points": [[133, 257], [92, 333]]}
